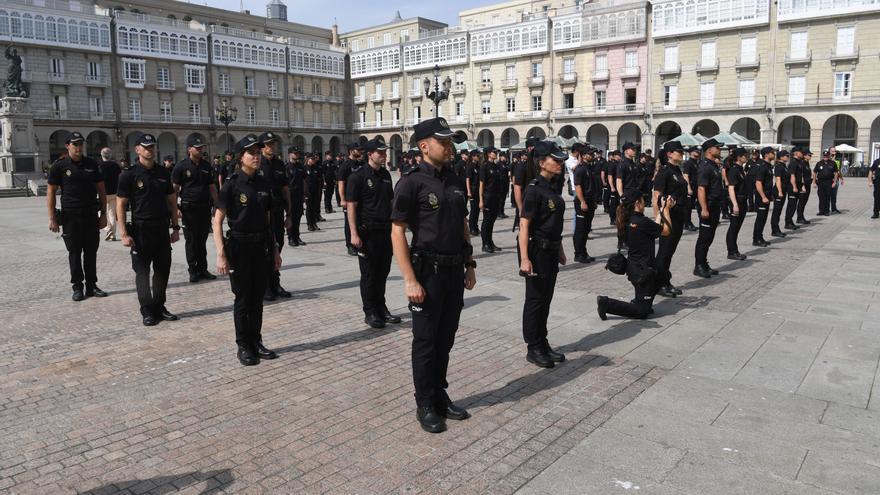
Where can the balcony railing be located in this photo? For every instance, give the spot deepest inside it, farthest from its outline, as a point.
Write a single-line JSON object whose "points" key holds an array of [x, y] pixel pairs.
{"points": [[225, 91], [509, 84], [165, 85], [360, 99], [458, 89], [630, 108], [748, 64], [600, 75], [458, 120], [58, 78], [251, 93], [393, 96], [96, 80], [274, 95], [383, 124], [532, 115], [568, 78], [627, 72], [485, 86], [731, 103], [415, 93], [536, 81], [707, 66], [195, 88], [800, 58], [376, 97], [69, 115], [134, 83], [334, 99], [828, 98], [317, 97], [670, 70], [840, 56]]}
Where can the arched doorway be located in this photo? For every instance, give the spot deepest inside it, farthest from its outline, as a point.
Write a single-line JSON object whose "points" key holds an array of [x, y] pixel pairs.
{"points": [[299, 142], [485, 138], [839, 129], [95, 142], [568, 132], [166, 145], [130, 142], [461, 136], [56, 144], [509, 138], [317, 144], [395, 150], [748, 128], [597, 136], [794, 131], [536, 132], [667, 131], [874, 138], [226, 142], [629, 133], [334, 145], [706, 127]]}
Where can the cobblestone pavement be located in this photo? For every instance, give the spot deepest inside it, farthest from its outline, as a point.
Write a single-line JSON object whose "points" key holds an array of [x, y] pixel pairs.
{"points": [[92, 401]]}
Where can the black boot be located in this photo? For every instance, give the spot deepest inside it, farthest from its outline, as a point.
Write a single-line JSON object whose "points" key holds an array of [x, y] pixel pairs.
{"points": [[600, 307], [247, 356], [430, 420], [265, 353], [556, 357], [446, 408], [666, 291], [374, 320], [702, 271], [736, 256], [538, 356], [388, 317]]}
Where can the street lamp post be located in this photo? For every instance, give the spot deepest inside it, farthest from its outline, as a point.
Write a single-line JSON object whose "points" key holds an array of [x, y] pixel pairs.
{"points": [[436, 94], [226, 115]]}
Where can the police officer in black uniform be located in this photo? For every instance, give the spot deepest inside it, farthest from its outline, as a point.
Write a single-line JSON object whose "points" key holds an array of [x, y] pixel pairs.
{"points": [[249, 247], [296, 183], [689, 172], [368, 194], [796, 185], [504, 166], [781, 189], [736, 178], [628, 172], [460, 165], [472, 170], [640, 234], [274, 171], [194, 185], [584, 202], [710, 194], [613, 193], [147, 188], [670, 183], [873, 181], [762, 173], [82, 214], [826, 176], [436, 268], [519, 172], [349, 166], [541, 251], [330, 168], [491, 189], [314, 185], [808, 180]]}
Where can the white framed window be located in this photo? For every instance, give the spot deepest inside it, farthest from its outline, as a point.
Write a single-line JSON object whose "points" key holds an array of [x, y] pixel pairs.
{"points": [[670, 58], [568, 66], [378, 92], [355, 45], [485, 75], [797, 86], [395, 88], [707, 94], [316, 87], [599, 98], [601, 63], [707, 54], [165, 114], [670, 96], [395, 116], [798, 48], [362, 118], [387, 39], [416, 85], [746, 92], [459, 78], [378, 117], [485, 107], [511, 105], [133, 72], [134, 109], [223, 83], [748, 50], [537, 103], [163, 78], [333, 90], [371, 42], [362, 91], [842, 86], [316, 116], [273, 87], [537, 69], [94, 72], [274, 115], [417, 113], [195, 77], [846, 40], [250, 87], [96, 106], [459, 109], [632, 60], [59, 106], [510, 72], [404, 35], [251, 115], [195, 113], [57, 67], [334, 118]]}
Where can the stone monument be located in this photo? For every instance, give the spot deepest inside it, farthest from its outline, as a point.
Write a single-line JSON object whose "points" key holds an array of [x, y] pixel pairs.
{"points": [[18, 147]]}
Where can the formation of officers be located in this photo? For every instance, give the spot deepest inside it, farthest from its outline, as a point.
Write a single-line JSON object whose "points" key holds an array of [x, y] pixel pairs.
{"points": [[255, 201]]}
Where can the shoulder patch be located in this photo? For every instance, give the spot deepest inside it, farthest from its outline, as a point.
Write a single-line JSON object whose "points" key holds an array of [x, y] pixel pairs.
{"points": [[410, 170]]}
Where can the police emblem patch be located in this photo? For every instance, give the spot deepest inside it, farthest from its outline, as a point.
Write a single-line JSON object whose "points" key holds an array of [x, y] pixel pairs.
{"points": [[140, 184], [188, 173], [551, 204], [433, 201], [370, 183], [242, 198], [68, 173]]}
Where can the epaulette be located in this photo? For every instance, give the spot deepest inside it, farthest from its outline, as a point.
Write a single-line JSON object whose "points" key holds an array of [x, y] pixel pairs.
{"points": [[410, 170]]}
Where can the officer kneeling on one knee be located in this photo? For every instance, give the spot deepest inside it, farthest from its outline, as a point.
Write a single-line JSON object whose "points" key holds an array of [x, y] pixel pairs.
{"points": [[640, 233], [541, 251], [245, 199], [436, 269]]}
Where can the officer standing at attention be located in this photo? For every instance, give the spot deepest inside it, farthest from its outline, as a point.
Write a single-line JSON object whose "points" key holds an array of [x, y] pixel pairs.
{"points": [[314, 185], [689, 172], [541, 251], [874, 181], [436, 268], [491, 187], [710, 194], [796, 185], [628, 171], [613, 193], [110, 170], [670, 183], [460, 165], [584, 202], [148, 189], [472, 170], [349, 166], [826, 176], [808, 180], [368, 195], [274, 171], [781, 188], [296, 183], [82, 214], [504, 167], [330, 169], [762, 172], [519, 172], [736, 178], [249, 246], [640, 233], [194, 185]]}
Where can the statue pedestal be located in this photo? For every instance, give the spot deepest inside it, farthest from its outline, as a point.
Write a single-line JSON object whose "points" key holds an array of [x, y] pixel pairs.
{"points": [[18, 148]]}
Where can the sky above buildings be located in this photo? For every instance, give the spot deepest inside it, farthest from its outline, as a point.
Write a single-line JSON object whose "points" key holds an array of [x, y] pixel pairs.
{"points": [[350, 15]]}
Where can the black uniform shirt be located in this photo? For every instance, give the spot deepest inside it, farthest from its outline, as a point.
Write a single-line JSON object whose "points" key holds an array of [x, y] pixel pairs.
{"points": [[274, 172], [763, 173], [110, 170], [490, 176], [347, 168], [473, 173], [826, 169], [875, 167], [434, 205], [583, 176], [519, 173], [247, 203], [296, 174], [372, 191], [77, 181], [557, 183], [709, 176], [628, 172], [330, 169], [313, 178], [147, 192], [640, 235], [670, 182], [611, 173], [780, 170], [194, 180], [806, 175], [545, 208], [736, 177], [505, 174], [689, 168], [459, 168], [794, 169]]}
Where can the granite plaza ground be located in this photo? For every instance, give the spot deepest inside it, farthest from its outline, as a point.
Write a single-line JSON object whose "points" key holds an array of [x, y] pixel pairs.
{"points": [[761, 380]]}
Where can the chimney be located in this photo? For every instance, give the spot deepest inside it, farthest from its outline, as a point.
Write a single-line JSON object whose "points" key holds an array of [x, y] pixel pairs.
{"points": [[334, 35]]}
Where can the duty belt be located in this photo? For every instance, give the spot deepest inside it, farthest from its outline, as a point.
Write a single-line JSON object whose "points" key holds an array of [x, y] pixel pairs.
{"points": [[441, 259], [151, 224], [375, 225], [544, 244], [246, 236]]}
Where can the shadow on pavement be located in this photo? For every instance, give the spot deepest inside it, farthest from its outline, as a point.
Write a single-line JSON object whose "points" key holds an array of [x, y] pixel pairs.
{"points": [[215, 482]]}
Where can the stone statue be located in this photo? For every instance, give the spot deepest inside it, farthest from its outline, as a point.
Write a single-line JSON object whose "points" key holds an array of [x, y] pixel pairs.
{"points": [[14, 86]]}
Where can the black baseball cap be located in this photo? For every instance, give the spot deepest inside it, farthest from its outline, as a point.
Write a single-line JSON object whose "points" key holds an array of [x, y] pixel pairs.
{"points": [[436, 127], [766, 150], [168, 158], [145, 139], [711, 143], [490, 149], [549, 148], [782, 154], [738, 152], [532, 141], [614, 152], [194, 141], [268, 137], [354, 146], [670, 146], [628, 146], [74, 137], [248, 142], [294, 149], [375, 145]]}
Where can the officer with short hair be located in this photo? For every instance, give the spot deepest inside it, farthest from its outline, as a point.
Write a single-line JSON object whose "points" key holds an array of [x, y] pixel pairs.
{"points": [[148, 189], [736, 193], [330, 168], [710, 193], [368, 195], [314, 185], [762, 173], [504, 168], [348, 167], [296, 184], [781, 189], [628, 172], [82, 214], [491, 189], [245, 201], [194, 185], [436, 268], [274, 171], [613, 193], [461, 163], [472, 180]]}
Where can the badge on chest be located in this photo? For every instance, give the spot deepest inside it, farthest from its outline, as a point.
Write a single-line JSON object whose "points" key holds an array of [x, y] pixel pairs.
{"points": [[242, 198], [370, 183], [189, 173], [433, 201], [551, 204], [140, 184], [68, 173]]}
